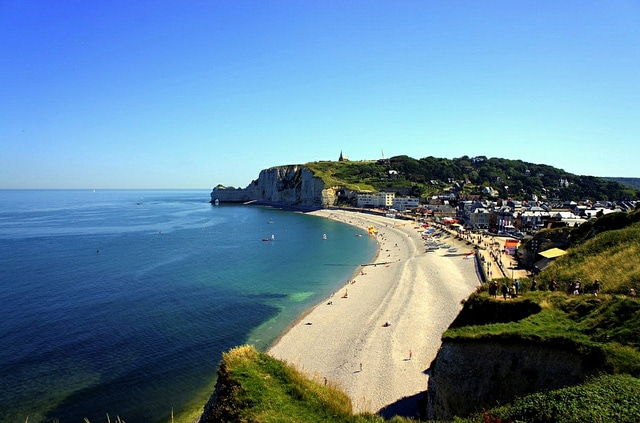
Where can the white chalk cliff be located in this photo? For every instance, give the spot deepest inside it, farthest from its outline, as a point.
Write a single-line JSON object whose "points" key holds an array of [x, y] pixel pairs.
{"points": [[287, 186]]}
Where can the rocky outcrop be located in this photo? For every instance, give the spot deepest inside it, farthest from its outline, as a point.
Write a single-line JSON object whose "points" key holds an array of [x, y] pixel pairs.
{"points": [[468, 377], [287, 186]]}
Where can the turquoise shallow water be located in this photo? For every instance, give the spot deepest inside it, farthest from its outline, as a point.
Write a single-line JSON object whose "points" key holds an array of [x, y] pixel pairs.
{"points": [[122, 302]]}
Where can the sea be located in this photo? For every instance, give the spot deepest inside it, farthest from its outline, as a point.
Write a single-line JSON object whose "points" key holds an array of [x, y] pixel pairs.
{"points": [[121, 303]]}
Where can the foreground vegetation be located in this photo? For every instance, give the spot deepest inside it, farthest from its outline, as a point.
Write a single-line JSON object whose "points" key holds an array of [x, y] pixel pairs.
{"points": [[603, 329], [255, 387], [610, 398]]}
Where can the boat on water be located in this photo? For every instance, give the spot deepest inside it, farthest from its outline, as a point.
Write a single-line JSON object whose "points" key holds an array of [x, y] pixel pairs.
{"points": [[324, 236]]}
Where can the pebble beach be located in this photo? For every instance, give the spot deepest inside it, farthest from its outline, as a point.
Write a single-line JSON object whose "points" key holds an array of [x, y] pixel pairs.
{"points": [[376, 337]]}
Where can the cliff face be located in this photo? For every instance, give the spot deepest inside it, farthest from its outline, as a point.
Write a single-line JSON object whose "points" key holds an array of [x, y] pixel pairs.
{"points": [[469, 377], [293, 186]]}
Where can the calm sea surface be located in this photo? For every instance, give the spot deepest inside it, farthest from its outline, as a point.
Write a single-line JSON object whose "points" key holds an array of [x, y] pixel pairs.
{"points": [[121, 302]]}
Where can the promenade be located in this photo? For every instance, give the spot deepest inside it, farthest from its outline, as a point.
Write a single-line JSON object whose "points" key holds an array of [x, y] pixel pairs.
{"points": [[496, 263]]}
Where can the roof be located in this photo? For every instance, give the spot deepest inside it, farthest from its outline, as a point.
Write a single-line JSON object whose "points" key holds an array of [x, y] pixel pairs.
{"points": [[542, 264], [553, 253]]}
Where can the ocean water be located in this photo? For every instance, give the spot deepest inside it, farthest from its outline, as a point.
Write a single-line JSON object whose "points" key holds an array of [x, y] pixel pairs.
{"points": [[122, 302]]}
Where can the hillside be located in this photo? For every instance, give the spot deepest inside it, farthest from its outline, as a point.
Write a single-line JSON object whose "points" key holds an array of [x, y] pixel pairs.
{"points": [[631, 182], [574, 338], [509, 178]]}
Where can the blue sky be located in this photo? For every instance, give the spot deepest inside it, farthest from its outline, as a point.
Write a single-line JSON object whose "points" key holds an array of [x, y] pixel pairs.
{"points": [[189, 94]]}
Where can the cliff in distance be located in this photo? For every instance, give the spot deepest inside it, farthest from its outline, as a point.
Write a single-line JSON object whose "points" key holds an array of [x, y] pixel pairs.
{"points": [[289, 186]]}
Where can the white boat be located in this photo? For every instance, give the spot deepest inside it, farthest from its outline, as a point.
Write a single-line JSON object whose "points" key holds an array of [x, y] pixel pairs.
{"points": [[324, 236], [452, 249]]}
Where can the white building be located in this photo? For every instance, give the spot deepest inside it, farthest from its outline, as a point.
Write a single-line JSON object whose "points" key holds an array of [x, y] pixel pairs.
{"points": [[381, 199], [404, 203]]}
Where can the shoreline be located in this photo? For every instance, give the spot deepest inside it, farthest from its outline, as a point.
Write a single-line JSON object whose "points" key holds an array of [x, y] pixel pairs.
{"points": [[343, 339]]}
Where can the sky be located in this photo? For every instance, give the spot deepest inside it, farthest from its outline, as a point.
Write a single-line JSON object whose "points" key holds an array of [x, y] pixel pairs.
{"points": [[193, 93]]}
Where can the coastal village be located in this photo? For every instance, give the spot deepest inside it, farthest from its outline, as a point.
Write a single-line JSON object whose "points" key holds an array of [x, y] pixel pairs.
{"points": [[501, 227]]}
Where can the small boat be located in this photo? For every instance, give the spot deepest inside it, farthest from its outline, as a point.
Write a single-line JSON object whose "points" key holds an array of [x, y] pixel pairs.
{"points": [[266, 239], [324, 236], [452, 249]]}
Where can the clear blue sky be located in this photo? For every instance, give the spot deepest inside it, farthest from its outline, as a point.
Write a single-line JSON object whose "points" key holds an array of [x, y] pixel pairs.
{"points": [[189, 94]]}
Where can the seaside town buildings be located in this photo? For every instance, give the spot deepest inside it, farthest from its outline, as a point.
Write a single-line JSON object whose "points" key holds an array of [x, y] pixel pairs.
{"points": [[508, 217], [516, 221]]}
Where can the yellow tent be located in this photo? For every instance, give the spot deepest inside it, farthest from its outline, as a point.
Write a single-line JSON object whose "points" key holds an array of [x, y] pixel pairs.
{"points": [[553, 253]]}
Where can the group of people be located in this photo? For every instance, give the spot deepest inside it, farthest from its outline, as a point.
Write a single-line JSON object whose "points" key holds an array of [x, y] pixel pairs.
{"points": [[513, 290], [507, 290]]}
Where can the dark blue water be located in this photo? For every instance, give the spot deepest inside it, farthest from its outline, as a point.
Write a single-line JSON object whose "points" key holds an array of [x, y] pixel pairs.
{"points": [[121, 302]]}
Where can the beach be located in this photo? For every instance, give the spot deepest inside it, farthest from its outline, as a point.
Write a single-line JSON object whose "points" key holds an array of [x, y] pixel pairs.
{"points": [[376, 337]]}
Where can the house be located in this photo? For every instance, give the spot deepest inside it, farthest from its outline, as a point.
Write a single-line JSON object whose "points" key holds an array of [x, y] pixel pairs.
{"points": [[479, 218], [405, 203], [548, 256]]}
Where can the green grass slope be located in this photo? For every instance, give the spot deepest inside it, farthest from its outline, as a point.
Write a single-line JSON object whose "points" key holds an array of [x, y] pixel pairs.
{"points": [[603, 399], [611, 256], [604, 329], [255, 387]]}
